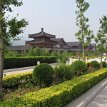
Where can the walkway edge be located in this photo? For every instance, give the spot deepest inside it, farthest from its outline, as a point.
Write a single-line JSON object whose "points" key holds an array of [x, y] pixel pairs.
{"points": [[87, 97], [24, 68]]}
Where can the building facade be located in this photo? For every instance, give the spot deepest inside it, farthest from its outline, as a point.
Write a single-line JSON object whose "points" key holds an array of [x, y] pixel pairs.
{"points": [[42, 40], [50, 42]]}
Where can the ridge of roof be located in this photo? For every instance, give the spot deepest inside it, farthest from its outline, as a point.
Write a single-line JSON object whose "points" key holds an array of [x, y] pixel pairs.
{"points": [[42, 33]]}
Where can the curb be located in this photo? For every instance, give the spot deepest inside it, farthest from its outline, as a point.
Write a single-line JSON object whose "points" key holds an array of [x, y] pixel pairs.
{"points": [[87, 97]]}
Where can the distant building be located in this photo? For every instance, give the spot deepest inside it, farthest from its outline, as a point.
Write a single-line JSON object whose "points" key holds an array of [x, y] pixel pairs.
{"points": [[42, 40], [60, 43], [50, 42], [20, 49], [77, 46]]}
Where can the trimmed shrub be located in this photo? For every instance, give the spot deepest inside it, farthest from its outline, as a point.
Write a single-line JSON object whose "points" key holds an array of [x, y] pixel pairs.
{"points": [[79, 67], [13, 81], [94, 64], [43, 74], [27, 61], [62, 73], [104, 64], [59, 95]]}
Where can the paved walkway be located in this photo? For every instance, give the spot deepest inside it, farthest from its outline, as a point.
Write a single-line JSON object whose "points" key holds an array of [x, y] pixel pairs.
{"points": [[18, 70], [100, 100], [95, 97], [22, 70]]}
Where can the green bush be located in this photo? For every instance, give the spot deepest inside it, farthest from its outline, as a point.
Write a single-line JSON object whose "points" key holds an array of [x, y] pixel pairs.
{"points": [[27, 61], [59, 95], [94, 64], [62, 73], [79, 67], [43, 75], [11, 54], [38, 52], [13, 81], [104, 64]]}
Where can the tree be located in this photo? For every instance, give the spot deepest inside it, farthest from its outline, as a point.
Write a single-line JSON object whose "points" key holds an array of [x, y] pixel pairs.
{"points": [[101, 38], [8, 29], [84, 35]]}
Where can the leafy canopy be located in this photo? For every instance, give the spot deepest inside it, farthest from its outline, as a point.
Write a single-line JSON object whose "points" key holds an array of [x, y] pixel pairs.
{"points": [[101, 38], [10, 28], [84, 35]]}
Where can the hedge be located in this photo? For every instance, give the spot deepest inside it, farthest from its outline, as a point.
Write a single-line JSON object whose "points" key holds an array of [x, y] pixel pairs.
{"points": [[13, 81], [27, 61], [59, 95]]}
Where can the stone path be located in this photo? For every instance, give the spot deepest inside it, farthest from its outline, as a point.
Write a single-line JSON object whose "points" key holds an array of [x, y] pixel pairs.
{"points": [[95, 97], [22, 70], [100, 100]]}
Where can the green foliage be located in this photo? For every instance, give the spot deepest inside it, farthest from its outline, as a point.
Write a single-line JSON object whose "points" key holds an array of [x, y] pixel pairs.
{"points": [[101, 39], [84, 35], [79, 67], [60, 95], [92, 54], [13, 27], [13, 81], [43, 75], [38, 52], [104, 64], [35, 52], [62, 73], [94, 64], [27, 61], [9, 29], [11, 54], [62, 57]]}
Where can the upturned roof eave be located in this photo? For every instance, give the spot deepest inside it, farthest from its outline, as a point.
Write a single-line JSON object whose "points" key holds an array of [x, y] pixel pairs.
{"points": [[41, 34]]}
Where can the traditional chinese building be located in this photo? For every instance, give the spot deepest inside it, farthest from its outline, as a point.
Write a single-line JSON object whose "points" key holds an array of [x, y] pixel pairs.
{"points": [[77, 46], [50, 42], [42, 40], [60, 43]]}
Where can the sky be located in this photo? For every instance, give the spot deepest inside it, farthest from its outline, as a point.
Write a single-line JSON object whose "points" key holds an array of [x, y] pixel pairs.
{"points": [[57, 17]]}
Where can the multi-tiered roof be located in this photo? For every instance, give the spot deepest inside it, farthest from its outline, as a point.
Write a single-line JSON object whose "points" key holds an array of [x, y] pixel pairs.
{"points": [[42, 39]]}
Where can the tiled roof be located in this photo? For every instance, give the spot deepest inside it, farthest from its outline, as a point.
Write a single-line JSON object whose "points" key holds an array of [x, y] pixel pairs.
{"points": [[78, 44], [40, 34], [73, 43], [19, 48], [58, 40]]}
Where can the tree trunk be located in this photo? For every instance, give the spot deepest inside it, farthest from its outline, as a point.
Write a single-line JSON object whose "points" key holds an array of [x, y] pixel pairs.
{"points": [[1, 48], [101, 61], [83, 49], [1, 65], [106, 57]]}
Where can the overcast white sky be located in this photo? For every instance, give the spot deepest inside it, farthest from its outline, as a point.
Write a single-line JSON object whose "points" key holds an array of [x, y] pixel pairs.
{"points": [[57, 17]]}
